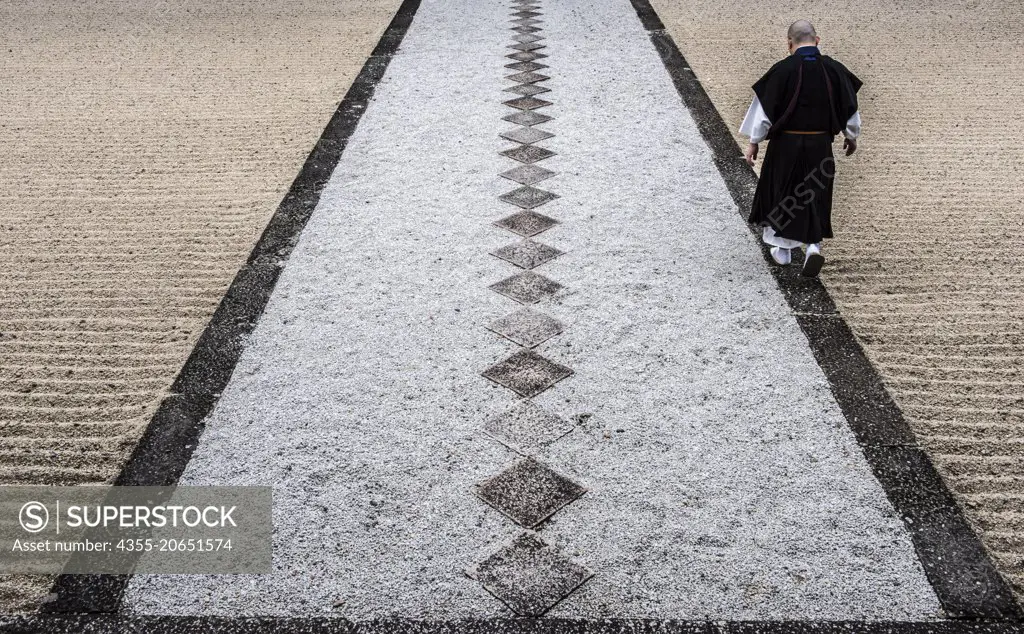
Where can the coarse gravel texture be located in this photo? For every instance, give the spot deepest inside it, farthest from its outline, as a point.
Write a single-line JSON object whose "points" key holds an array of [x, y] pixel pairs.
{"points": [[723, 482], [145, 147], [928, 264]]}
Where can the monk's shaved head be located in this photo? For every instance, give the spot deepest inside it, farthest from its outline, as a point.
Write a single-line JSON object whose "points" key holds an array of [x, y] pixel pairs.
{"points": [[802, 32]]}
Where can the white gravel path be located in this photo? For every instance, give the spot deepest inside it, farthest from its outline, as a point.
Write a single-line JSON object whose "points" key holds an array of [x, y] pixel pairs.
{"points": [[723, 480]]}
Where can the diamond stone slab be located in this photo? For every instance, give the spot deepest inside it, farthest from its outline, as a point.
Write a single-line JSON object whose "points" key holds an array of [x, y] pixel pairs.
{"points": [[525, 427], [526, 103], [527, 254], [528, 46], [526, 327], [526, 135], [527, 174], [527, 29], [527, 373], [527, 37], [526, 287], [528, 89], [528, 153], [525, 66], [529, 576], [527, 223], [527, 197], [526, 14], [529, 492], [523, 56], [527, 77], [527, 118]]}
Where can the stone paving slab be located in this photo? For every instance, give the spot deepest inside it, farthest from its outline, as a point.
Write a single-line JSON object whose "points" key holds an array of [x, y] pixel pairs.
{"points": [[524, 427], [529, 492], [529, 576]]}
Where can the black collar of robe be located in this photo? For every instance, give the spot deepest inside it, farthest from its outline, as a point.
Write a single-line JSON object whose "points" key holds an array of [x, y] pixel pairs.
{"points": [[776, 89]]}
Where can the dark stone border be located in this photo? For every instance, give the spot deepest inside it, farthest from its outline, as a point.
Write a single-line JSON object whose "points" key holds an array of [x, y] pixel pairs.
{"points": [[166, 446], [317, 625], [954, 559]]}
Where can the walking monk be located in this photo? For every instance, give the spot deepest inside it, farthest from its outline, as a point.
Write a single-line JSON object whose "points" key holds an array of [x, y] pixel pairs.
{"points": [[800, 105]]}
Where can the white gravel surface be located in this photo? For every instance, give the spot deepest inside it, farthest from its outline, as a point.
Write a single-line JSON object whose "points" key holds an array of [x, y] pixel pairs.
{"points": [[723, 481]]}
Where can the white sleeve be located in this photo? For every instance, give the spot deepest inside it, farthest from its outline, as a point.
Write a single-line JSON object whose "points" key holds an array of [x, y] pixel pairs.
{"points": [[756, 123], [852, 130]]}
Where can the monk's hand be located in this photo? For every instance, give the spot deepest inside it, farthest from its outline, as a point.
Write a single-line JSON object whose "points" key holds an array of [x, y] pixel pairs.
{"points": [[850, 145], [750, 154]]}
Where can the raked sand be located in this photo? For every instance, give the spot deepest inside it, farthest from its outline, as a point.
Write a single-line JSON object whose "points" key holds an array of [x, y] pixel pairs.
{"points": [[928, 262], [145, 145]]}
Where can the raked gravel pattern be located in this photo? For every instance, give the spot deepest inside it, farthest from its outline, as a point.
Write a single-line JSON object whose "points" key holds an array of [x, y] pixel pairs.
{"points": [[145, 145], [722, 480]]}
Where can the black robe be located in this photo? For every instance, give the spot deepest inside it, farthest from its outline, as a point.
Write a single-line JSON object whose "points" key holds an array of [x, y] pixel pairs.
{"points": [[809, 92]]}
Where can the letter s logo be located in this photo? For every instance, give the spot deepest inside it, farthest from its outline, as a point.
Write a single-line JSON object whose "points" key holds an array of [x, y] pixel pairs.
{"points": [[33, 517]]}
